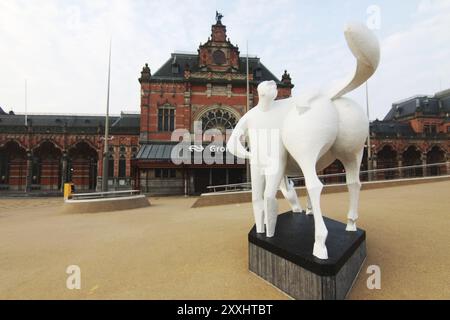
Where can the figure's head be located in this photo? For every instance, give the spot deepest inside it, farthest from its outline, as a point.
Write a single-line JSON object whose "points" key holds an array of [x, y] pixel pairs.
{"points": [[267, 90]]}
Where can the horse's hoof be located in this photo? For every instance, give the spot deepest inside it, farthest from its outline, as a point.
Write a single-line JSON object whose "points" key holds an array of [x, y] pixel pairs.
{"points": [[320, 251], [351, 226]]}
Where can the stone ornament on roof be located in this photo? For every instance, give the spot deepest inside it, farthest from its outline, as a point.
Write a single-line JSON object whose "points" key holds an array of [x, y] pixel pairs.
{"points": [[286, 77], [145, 73]]}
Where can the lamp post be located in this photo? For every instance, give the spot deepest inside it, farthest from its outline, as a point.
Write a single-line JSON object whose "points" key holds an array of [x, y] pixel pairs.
{"points": [[247, 161], [106, 148], [369, 142]]}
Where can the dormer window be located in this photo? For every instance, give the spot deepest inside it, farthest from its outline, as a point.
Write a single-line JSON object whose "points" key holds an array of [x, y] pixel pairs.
{"points": [[175, 68], [258, 73]]}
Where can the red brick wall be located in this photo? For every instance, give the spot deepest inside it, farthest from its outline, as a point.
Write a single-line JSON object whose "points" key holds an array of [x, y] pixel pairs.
{"points": [[17, 174], [50, 174], [80, 174]]}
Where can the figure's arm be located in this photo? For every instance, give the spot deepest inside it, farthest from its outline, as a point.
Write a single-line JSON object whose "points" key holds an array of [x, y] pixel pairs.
{"points": [[234, 144]]}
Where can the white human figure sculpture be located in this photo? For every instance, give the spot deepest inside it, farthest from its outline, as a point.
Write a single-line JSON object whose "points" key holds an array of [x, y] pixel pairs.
{"points": [[268, 156], [314, 131]]}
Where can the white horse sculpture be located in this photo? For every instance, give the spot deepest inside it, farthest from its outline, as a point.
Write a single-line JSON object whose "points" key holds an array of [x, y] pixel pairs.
{"points": [[310, 132]]}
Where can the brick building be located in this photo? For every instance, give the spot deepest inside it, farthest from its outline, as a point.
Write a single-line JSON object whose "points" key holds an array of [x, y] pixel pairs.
{"points": [[415, 131], [53, 149]]}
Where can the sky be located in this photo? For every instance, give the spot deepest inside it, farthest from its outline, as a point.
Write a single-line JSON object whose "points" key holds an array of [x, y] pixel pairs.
{"points": [[60, 48]]}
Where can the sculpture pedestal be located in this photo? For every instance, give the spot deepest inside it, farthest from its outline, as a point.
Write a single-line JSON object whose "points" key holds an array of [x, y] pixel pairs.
{"points": [[286, 260]]}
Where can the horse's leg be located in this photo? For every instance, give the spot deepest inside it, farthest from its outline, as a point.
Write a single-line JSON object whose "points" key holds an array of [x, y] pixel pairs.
{"points": [[307, 162], [289, 193], [309, 209], [352, 169], [326, 160]]}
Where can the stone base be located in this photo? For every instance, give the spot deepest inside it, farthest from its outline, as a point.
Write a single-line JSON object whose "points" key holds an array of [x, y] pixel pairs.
{"points": [[286, 260], [105, 204]]}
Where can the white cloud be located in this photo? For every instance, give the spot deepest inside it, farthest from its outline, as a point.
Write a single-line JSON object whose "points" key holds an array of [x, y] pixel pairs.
{"points": [[414, 60]]}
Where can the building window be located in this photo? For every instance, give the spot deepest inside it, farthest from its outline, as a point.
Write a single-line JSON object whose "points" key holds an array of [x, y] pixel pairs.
{"points": [[433, 129], [134, 152], [165, 173], [111, 167], [258, 73], [122, 167], [430, 129], [175, 68], [4, 168], [218, 119], [36, 171], [219, 57], [166, 119]]}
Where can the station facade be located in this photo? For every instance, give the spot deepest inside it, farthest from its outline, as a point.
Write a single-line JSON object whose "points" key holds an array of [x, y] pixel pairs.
{"points": [[208, 88]]}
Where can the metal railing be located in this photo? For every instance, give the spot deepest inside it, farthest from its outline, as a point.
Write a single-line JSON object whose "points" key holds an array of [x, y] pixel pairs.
{"points": [[385, 174], [105, 195]]}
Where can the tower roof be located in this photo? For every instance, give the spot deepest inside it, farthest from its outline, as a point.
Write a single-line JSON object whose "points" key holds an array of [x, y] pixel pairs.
{"points": [[217, 60]]}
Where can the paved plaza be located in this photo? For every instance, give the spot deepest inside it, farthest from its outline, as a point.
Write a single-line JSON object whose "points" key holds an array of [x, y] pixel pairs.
{"points": [[171, 251]]}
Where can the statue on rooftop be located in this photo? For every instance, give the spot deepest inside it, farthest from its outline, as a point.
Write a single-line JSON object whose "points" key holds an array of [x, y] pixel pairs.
{"points": [[219, 17]]}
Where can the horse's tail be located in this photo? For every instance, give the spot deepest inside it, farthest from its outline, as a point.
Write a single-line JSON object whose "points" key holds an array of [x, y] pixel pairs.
{"points": [[366, 49]]}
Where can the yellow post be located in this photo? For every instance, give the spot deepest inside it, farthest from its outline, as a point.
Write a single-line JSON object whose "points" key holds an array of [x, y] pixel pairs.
{"points": [[68, 187]]}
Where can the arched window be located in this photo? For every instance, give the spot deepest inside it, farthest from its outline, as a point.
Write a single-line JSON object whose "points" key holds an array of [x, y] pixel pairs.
{"points": [[387, 158], [166, 118], [435, 156], [13, 160], [218, 119], [412, 157], [82, 166]]}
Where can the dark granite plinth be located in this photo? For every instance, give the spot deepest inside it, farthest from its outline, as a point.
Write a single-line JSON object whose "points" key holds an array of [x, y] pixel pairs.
{"points": [[287, 262]]}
